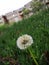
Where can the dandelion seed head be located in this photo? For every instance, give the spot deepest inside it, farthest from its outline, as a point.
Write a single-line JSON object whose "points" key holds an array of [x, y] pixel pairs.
{"points": [[24, 41]]}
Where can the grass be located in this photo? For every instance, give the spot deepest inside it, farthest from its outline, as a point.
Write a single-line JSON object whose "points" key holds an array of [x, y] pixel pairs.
{"points": [[37, 26]]}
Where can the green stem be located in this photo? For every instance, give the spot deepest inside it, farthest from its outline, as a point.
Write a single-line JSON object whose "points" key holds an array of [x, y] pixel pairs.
{"points": [[33, 56]]}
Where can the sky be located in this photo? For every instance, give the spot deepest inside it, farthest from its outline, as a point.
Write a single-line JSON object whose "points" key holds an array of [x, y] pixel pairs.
{"points": [[10, 5]]}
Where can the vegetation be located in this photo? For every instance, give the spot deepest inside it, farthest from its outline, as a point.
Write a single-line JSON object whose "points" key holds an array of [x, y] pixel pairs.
{"points": [[38, 27], [37, 6], [25, 12]]}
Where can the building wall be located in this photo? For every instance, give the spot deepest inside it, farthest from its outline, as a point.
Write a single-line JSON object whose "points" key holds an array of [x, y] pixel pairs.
{"points": [[13, 16]]}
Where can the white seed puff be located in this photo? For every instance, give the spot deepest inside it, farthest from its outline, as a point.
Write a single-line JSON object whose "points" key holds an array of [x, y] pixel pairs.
{"points": [[24, 41]]}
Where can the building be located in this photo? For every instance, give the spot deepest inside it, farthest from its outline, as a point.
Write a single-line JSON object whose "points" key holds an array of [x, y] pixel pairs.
{"points": [[17, 15], [14, 16], [28, 6]]}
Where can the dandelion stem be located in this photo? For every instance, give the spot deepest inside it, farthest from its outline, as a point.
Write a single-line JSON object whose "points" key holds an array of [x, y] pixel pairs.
{"points": [[32, 56]]}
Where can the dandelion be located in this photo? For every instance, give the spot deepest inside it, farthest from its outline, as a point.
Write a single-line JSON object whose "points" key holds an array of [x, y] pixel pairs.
{"points": [[24, 42]]}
